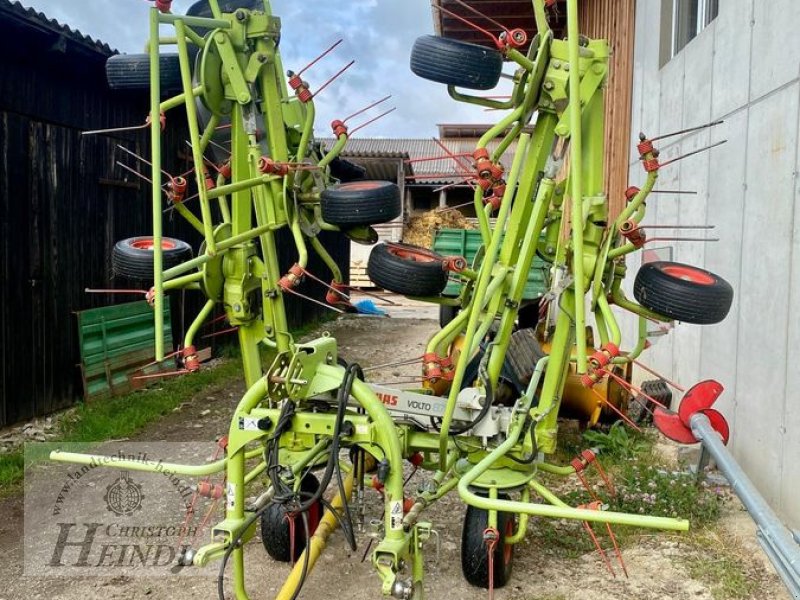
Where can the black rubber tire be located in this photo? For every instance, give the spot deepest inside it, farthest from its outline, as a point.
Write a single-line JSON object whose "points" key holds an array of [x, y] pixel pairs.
{"points": [[453, 62], [130, 258], [403, 275], [474, 557], [683, 292], [640, 409], [345, 170], [275, 535], [201, 8], [132, 72], [528, 315], [360, 203], [446, 314]]}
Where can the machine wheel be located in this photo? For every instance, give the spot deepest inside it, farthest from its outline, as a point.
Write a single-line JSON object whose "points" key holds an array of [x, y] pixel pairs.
{"points": [[132, 72], [528, 315], [201, 8], [640, 408], [456, 63], [275, 528], [407, 270], [361, 203], [345, 170], [683, 292], [446, 314], [474, 556], [133, 257]]}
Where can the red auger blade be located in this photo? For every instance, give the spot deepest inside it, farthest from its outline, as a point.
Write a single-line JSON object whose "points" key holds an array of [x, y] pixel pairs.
{"points": [[719, 423], [670, 424], [699, 399], [700, 396]]}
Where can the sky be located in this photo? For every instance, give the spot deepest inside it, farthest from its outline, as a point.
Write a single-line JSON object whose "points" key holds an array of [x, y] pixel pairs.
{"points": [[378, 34]]}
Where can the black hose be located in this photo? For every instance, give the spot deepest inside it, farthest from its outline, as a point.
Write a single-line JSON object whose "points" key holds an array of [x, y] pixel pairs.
{"points": [[353, 371], [285, 495], [306, 555], [487, 404], [527, 460]]}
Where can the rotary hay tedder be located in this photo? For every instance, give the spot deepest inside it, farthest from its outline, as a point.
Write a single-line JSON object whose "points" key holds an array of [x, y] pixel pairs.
{"points": [[486, 414]]}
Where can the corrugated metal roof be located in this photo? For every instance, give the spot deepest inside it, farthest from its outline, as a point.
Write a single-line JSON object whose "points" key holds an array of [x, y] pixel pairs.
{"points": [[30, 16], [442, 170]]}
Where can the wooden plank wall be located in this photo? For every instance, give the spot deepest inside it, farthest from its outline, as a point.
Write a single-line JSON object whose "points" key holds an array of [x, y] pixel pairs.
{"points": [[63, 206], [614, 21]]}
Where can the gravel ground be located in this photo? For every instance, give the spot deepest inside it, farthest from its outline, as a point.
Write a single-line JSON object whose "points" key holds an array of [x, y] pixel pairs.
{"points": [[657, 564]]}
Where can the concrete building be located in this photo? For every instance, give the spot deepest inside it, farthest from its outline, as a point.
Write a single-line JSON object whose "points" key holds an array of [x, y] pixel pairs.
{"points": [[698, 61], [695, 61]]}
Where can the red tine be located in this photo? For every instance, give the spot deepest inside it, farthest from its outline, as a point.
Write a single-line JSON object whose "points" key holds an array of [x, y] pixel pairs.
{"points": [[320, 57]]}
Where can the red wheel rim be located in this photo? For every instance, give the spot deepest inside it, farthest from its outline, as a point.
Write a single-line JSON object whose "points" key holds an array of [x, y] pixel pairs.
{"points": [[413, 254], [688, 274], [149, 244], [508, 548], [361, 185]]}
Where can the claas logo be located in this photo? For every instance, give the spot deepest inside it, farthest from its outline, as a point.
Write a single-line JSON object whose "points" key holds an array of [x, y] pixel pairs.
{"points": [[388, 399]]}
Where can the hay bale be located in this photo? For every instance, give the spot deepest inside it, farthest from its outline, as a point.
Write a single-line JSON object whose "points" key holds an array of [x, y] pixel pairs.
{"points": [[420, 230]]}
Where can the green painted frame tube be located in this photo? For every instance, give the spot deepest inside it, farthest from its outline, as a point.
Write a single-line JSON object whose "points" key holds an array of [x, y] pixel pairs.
{"points": [[609, 320], [641, 344], [626, 248], [519, 58], [190, 217], [546, 413], [519, 279], [194, 135], [180, 99], [155, 177], [308, 131], [387, 438], [479, 100], [297, 232], [222, 201], [440, 342], [576, 175], [442, 338], [552, 511], [539, 13], [335, 151], [336, 272], [602, 327], [238, 186], [522, 526], [194, 37], [234, 240], [198, 321], [619, 298], [183, 281], [480, 292], [208, 132], [147, 466], [564, 471], [480, 208], [193, 22], [637, 201]]}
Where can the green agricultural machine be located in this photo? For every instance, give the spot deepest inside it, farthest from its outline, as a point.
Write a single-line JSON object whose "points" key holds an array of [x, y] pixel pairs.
{"points": [[485, 418]]}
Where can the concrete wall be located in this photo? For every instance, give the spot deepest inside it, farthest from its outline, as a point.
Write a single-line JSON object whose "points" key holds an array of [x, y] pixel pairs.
{"points": [[742, 68]]}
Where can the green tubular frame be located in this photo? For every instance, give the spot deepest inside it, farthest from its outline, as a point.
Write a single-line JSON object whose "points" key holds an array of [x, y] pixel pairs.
{"points": [[562, 81]]}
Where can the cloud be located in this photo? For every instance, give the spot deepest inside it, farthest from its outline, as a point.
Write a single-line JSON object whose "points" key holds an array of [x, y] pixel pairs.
{"points": [[378, 34]]}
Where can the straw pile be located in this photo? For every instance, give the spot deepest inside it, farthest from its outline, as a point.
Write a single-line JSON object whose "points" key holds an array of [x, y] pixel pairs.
{"points": [[421, 229]]}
